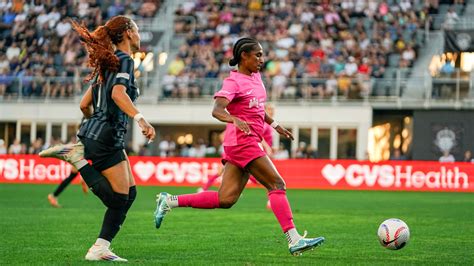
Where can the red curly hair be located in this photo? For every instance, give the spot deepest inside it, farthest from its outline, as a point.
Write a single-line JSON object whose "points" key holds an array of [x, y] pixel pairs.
{"points": [[100, 44]]}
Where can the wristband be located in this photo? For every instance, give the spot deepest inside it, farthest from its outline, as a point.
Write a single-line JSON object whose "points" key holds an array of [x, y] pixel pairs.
{"points": [[138, 116], [274, 124]]}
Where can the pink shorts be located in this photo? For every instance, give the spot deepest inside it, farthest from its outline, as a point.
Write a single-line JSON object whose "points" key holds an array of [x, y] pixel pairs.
{"points": [[242, 155]]}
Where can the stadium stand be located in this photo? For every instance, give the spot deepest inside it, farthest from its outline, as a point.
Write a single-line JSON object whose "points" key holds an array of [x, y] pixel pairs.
{"points": [[314, 49], [40, 56]]}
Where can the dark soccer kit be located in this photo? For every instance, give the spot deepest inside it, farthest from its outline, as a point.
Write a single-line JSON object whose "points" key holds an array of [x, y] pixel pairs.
{"points": [[103, 135]]}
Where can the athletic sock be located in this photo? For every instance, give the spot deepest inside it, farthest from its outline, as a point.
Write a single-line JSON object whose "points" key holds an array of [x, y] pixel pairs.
{"points": [[65, 183], [172, 201], [113, 219], [203, 200], [281, 208], [102, 242], [292, 236]]}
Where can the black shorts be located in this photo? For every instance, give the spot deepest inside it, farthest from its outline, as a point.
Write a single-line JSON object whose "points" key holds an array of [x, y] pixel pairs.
{"points": [[101, 155]]}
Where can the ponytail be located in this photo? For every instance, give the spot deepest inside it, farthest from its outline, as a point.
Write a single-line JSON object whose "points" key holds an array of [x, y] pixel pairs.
{"points": [[100, 45]]}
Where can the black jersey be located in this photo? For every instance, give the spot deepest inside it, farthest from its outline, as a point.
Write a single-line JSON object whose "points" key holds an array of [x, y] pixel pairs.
{"points": [[108, 124]]}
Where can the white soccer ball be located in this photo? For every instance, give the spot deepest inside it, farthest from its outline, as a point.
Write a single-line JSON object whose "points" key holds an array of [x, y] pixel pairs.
{"points": [[393, 233]]}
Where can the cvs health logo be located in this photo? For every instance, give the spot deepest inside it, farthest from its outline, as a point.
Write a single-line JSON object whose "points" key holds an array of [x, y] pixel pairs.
{"points": [[174, 172], [395, 176], [30, 168]]}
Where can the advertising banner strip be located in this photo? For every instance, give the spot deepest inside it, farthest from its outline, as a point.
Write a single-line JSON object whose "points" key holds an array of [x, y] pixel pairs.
{"points": [[300, 174]]}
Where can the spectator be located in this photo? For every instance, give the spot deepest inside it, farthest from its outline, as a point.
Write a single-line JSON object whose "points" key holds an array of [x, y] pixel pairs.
{"points": [[63, 27], [281, 153], [450, 19], [351, 67], [3, 148], [36, 147], [313, 38], [15, 147], [344, 84], [13, 51], [468, 157]]}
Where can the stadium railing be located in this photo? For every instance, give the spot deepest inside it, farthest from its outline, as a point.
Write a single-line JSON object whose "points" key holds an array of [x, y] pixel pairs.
{"points": [[455, 91]]}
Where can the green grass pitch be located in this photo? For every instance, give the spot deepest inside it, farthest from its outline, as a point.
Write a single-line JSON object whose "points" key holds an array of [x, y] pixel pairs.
{"points": [[441, 225]]}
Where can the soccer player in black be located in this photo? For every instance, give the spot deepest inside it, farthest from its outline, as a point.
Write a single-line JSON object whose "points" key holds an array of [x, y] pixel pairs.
{"points": [[108, 103]]}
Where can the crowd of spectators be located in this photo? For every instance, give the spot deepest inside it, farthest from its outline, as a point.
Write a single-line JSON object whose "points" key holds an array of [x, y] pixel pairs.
{"points": [[40, 55], [314, 49]]}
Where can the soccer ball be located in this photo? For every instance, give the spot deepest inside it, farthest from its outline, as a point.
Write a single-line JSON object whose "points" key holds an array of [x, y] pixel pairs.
{"points": [[393, 233]]}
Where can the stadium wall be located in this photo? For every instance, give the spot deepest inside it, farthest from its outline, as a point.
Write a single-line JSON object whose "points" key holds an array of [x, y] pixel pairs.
{"points": [[358, 117], [300, 174]]}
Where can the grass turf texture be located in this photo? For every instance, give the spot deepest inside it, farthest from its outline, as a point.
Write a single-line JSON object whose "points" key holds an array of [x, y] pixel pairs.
{"points": [[441, 226]]}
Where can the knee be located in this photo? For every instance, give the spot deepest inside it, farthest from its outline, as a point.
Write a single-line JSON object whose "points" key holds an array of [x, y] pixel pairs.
{"points": [[227, 202], [279, 184], [116, 201]]}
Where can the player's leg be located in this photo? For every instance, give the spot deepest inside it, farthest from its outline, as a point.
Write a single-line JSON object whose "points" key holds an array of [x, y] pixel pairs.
{"points": [[211, 180], [118, 177], [266, 173], [108, 179], [97, 182], [53, 198], [233, 182]]}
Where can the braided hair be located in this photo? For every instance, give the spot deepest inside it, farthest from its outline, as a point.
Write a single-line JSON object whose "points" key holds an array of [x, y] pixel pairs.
{"points": [[100, 44], [242, 45]]}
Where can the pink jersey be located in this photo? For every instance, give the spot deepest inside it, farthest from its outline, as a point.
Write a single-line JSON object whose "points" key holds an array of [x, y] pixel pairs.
{"points": [[268, 134], [247, 98]]}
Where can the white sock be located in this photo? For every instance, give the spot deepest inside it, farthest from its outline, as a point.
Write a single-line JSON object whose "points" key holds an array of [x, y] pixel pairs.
{"points": [[172, 201], [79, 164], [102, 242], [292, 236]]}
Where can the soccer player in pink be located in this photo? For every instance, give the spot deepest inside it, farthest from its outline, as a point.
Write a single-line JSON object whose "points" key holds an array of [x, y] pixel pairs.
{"points": [[240, 104]]}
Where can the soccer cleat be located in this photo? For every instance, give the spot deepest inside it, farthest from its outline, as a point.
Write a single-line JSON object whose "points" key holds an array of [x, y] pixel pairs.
{"points": [[162, 208], [70, 153], [53, 201], [97, 253], [84, 186], [305, 244]]}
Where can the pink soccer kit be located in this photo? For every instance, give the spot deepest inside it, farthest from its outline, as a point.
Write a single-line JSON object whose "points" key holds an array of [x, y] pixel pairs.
{"points": [[247, 98]]}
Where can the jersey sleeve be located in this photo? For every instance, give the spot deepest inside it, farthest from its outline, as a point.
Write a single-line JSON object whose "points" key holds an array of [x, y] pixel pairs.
{"points": [[229, 90], [125, 73]]}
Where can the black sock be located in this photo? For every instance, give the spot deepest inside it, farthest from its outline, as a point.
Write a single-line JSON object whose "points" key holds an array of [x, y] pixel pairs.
{"points": [[65, 183], [132, 194], [113, 219], [111, 225]]}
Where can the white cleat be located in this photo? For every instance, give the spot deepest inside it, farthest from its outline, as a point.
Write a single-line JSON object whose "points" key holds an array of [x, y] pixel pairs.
{"points": [[98, 253], [70, 153]]}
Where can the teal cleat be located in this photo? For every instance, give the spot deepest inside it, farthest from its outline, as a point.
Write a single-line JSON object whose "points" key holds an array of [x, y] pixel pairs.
{"points": [[305, 244], [162, 208]]}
